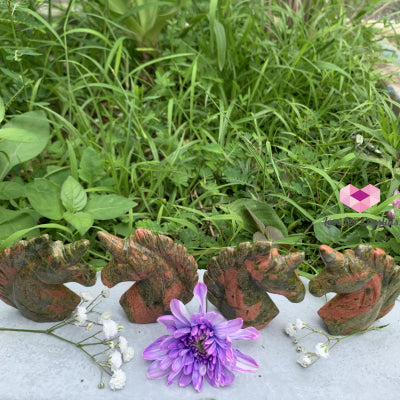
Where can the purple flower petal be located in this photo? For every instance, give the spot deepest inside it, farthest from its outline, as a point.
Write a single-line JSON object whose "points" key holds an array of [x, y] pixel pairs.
{"points": [[246, 334], [182, 332], [227, 377], [228, 328], [214, 317], [155, 372], [244, 362], [177, 365], [200, 292], [174, 376], [181, 314], [153, 352], [169, 321], [165, 363], [197, 380], [185, 380]]}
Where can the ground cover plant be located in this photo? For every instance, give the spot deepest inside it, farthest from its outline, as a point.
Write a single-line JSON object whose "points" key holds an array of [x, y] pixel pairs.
{"points": [[236, 117]]}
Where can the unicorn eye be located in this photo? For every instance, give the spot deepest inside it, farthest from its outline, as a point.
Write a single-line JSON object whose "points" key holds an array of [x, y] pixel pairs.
{"points": [[331, 281]]}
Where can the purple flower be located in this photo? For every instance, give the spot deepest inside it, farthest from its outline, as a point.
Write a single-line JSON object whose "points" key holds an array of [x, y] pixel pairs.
{"points": [[199, 346], [395, 203]]}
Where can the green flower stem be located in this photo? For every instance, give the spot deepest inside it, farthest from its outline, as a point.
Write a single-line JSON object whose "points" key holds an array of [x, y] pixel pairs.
{"points": [[50, 332]]}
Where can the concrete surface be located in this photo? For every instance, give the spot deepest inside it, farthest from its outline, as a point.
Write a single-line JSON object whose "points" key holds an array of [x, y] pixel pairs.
{"points": [[38, 367]]}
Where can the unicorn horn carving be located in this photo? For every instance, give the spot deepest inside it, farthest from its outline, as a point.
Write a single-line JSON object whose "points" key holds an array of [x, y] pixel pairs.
{"points": [[161, 268], [367, 283], [238, 279], [32, 273]]}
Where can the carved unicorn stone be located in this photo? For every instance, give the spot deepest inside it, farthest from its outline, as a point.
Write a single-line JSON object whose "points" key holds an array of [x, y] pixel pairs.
{"points": [[367, 282], [32, 273], [238, 279], [162, 271]]}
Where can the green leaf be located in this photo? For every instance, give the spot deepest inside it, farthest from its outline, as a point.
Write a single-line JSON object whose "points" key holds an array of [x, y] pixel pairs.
{"points": [[44, 197], [73, 195], [2, 110], [25, 232], [12, 152], [91, 166], [220, 37], [18, 135], [325, 233], [81, 221], [11, 190], [108, 206], [262, 211], [22, 221]]}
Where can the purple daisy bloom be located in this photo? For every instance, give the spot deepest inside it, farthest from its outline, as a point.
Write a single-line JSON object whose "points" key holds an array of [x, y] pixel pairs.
{"points": [[199, 346]]}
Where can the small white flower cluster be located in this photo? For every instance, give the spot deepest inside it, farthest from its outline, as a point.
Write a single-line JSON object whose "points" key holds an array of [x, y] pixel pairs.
{"points": [[307, 358], [110, 330], [124, 354]]}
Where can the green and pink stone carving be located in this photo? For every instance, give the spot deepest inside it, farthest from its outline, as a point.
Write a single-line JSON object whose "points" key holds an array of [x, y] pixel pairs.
{"points": [[239, 278], [367, 283], [162, 271], [32, 274]]}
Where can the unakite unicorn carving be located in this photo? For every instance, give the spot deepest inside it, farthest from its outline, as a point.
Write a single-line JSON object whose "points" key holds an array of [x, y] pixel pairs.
{"points": [[161, 268], [32, 273], [367, 282], [238, 279]]}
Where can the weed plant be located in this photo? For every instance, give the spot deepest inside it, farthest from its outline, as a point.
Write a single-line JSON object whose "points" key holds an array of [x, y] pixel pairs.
{"points": [[245, 116]]}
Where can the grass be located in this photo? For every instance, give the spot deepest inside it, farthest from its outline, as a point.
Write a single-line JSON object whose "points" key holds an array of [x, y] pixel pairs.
{"points": [[235, 100]]}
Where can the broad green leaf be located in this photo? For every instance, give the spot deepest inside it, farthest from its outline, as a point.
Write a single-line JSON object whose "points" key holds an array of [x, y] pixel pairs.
{"points": [[8, 215], [18, 135], [81, 221], [12, 152], [44, 197], [91, 166], [30, 231], [325, 233], [220, 38], [108, 206], [21, 222], [11, 190], [73, 195], [262, 211], [2, 110]]}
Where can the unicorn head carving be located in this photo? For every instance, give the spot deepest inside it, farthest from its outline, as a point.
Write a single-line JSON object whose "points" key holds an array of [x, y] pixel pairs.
{"points": [[32, 273], [239, 278], [162, 271], [367, 283]]}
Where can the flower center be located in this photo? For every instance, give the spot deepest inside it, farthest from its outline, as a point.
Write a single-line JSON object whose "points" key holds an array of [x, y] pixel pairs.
{"points": [[199, 340]]}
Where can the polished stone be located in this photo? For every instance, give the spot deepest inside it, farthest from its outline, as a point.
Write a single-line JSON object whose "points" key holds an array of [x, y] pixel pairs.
{"points": [[38, 367]]}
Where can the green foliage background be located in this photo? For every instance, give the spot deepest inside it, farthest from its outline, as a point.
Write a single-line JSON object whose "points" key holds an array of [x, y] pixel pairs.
{"points": [[234, 117]]}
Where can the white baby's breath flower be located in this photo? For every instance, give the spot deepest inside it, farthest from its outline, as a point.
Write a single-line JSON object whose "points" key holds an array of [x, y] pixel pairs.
{"points": [[89, 326], [322, 350], [127, 355], [290, 329], [299, 324], [105, 292], [110, 329], [305, 361], [122, 344], [118, 380], [80, 315], [103, 317], [120, 328], [111, 344], [86, 296], [115, 361]]}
